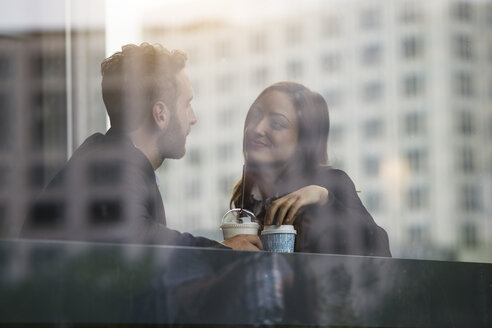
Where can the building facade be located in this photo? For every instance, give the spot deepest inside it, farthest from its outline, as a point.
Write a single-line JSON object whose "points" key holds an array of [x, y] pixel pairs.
{"points": [[409, 89]]}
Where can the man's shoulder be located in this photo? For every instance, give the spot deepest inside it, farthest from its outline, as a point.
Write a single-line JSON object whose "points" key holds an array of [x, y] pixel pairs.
{"points": [[99, 140], [109, 145], [112, 150], [92, 142]]}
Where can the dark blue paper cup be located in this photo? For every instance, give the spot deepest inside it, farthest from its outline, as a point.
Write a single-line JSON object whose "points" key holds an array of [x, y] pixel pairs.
{"points": [[278, 239]]}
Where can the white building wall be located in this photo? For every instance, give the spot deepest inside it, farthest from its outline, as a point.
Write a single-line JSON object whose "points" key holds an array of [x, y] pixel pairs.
{"points": [[225, 87]]}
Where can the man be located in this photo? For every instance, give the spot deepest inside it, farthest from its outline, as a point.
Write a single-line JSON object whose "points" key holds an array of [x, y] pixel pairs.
{"points": [[108, 190]]}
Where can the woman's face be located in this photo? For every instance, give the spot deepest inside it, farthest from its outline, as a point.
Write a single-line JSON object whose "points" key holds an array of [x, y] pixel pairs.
{"points": [[271, 130]]}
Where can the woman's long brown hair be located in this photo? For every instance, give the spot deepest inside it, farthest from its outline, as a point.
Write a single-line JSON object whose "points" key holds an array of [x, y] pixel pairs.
{"points": [[314, 125]]}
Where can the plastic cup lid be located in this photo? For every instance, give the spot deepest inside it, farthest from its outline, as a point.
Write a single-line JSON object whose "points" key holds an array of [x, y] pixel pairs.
{"points": [[237, 215], [269, 229]]}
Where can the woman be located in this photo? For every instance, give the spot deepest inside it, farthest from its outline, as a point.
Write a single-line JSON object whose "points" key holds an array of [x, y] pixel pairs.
{"points": [[287, 179]]}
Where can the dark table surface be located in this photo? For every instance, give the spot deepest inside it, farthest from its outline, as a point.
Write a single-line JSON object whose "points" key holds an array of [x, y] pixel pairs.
{"points": [[74, 284]]}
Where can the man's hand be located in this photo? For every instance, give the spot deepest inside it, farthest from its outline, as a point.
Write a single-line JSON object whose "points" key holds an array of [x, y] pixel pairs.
{"points": [[285, 209], [244, 243]]}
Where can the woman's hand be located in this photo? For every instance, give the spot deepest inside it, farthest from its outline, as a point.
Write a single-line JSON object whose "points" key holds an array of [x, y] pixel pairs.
{"points": [[285, 209]]}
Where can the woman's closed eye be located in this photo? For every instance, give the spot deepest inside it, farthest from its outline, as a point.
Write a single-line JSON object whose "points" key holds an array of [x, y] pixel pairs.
{"points": [[278, 121], [277, 125]]}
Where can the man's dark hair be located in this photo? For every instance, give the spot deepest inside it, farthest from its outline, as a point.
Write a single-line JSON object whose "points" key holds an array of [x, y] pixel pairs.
{"points": [[134, 78]]}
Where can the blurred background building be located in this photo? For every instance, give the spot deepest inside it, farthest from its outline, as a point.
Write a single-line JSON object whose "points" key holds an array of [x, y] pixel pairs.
{"points": [[408, 84], [409, 88], [46, 48]]}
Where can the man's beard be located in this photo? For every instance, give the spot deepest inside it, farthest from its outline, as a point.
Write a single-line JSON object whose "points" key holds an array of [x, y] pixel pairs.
{"points": [[173, 142]]}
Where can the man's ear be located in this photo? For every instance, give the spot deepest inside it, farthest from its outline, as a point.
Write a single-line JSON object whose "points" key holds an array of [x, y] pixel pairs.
{"points": [[161, 114]]}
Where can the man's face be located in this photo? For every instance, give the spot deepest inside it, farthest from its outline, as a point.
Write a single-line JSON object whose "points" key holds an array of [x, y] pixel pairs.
{"points": [[182, 118]]}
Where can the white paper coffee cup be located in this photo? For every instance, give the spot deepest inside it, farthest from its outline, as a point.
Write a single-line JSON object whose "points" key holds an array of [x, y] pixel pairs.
{"points": [[230, 230]]}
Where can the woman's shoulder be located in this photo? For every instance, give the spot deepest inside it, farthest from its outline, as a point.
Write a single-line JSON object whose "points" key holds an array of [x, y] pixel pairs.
{"points": [[333, 172], [334, 177]]}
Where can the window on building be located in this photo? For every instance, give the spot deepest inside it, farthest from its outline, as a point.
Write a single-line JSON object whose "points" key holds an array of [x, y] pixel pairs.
{"points": [[337, 133], [50, 133], [193, 188], [465, 123], [225, 151], [470, 235], [470, 198], [5, 176], [54, 66], [373, 91], [463, 47], [333, 97], [417, 160], [35, 65], [105, 211], [412, 47], [53, 213], [36, 175], [294, 69], [489, 13], [417, 198], [330, 26], [7, 113], [410, 12], [413, 85], [463, 11], [371, 18], [372, 54], [417, 234], [331, 62], [6, 66], [371, 165], [258, 43], [414, 123], [466, 160], [194, 157], [4, 213], [464, 85], [373, 201], [373, 128], [294, 34]]}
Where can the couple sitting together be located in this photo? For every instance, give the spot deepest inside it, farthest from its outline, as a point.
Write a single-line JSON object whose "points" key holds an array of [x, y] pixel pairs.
{"points": [[108, 190]]}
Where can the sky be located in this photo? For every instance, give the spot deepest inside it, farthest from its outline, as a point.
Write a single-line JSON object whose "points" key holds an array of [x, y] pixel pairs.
{"points": [[35, 15], [125, 17]]}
